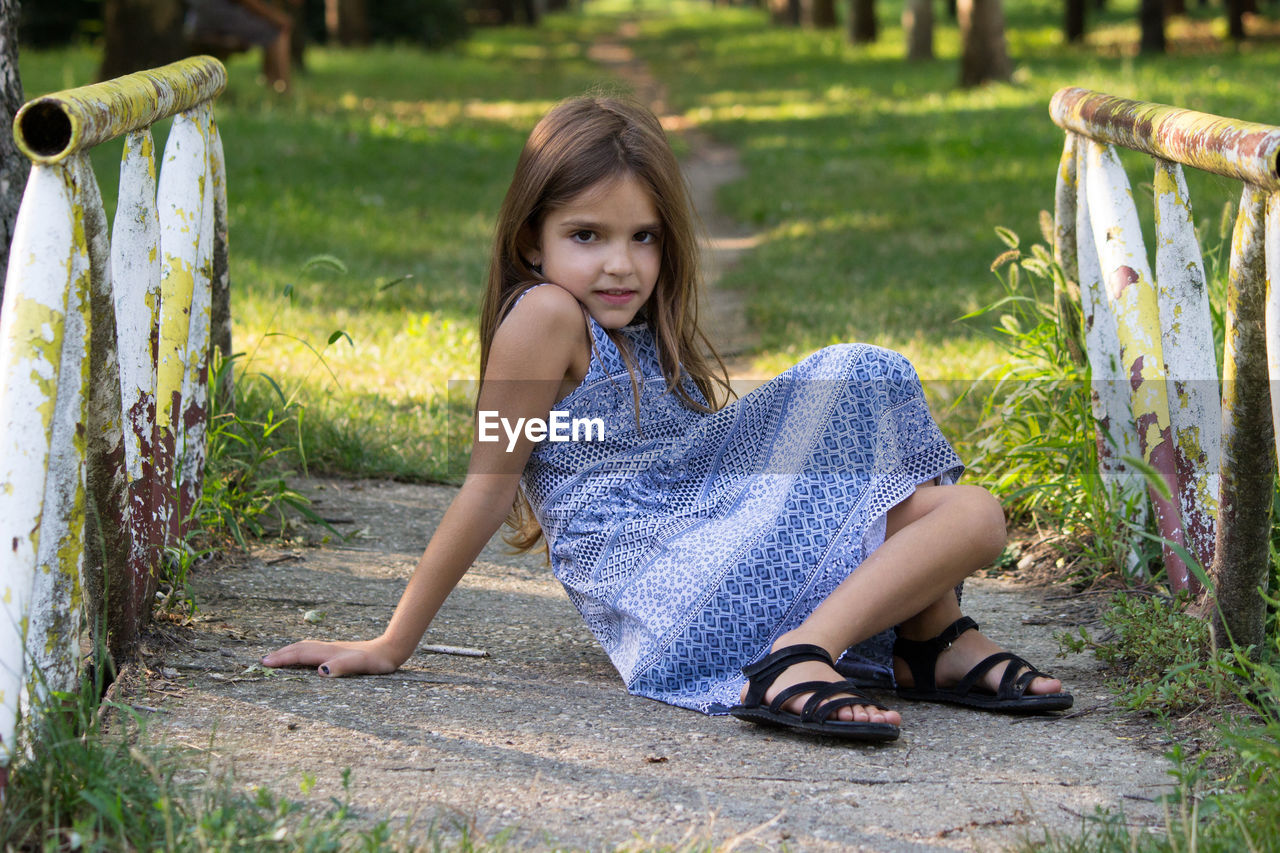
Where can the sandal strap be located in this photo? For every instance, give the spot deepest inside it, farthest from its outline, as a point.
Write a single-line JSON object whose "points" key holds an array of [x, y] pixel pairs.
{"points": [[761, 674], [819, 707], [1017, 677], [921, 656]]}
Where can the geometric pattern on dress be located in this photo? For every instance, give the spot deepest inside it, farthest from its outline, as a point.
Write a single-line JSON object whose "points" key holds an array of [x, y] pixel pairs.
{"points": [[690, 541]]}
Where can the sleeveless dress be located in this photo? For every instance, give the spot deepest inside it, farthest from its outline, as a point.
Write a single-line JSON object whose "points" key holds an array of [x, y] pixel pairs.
{"points": [[690, 541]]}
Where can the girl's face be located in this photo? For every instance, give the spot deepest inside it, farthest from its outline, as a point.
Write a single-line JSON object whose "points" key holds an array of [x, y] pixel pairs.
{"points": [[605, 247]]}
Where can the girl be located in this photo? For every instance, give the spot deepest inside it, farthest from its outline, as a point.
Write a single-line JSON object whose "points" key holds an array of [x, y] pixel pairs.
{"points": [[741, 559]]}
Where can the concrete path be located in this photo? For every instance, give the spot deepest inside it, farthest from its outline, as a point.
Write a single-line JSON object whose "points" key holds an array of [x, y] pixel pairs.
{"points": [[539, 737]]}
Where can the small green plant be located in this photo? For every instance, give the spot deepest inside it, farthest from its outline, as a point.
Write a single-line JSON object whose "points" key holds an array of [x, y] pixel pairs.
{"points": [[1036, 442], [246, 492], [1162, 650], [86, 777]]}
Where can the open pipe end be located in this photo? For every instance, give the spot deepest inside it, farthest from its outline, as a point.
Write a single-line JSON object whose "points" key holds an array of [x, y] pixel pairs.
{"points": [[43, 130]]}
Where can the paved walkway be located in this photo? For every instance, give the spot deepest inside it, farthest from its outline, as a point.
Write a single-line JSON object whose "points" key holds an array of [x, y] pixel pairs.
{"points": [[540, 737]]}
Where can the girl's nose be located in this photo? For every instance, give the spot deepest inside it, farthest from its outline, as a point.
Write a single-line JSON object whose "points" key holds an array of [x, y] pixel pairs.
{"points": [[618, 262]]}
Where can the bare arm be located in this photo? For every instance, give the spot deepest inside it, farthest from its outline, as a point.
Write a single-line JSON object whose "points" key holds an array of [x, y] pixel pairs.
{"points": [[541, 342]]}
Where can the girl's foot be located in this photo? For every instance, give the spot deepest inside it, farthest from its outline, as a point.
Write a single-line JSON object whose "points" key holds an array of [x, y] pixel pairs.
{"points": [[967, 668], [813, 670], [792, 687]]}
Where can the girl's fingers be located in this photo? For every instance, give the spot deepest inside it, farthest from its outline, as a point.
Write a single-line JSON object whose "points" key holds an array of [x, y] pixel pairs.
{"points": [[297, 654], [331, 659], [333, 668]]}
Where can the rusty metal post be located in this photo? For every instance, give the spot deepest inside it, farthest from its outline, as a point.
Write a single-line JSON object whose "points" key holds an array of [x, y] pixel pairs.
{"points": [[47, 282], [1131, 294], [1195, 402], [1272, 241], [1108, 387], [107, 522], [53, 632], [1065, 290], [220, 309], [180, 199], [1242, 558], [135, 268], [195, 379]]}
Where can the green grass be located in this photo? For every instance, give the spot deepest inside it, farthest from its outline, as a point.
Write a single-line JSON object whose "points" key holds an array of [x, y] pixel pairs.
{"points": [[370, 192]]}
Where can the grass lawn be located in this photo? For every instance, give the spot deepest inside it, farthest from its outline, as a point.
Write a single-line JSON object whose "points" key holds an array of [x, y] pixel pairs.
{"points": [[368, 194]]}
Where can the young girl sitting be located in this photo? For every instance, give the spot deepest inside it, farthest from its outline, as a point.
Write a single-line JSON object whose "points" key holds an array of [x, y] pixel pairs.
{"points": [[741, 559]]}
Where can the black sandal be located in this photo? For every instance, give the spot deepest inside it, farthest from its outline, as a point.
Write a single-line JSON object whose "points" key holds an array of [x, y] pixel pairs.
{"points": [[921, 656], [814, 717]]}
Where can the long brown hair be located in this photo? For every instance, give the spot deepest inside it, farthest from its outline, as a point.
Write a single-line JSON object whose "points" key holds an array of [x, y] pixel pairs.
{"points": [[577, 145]]}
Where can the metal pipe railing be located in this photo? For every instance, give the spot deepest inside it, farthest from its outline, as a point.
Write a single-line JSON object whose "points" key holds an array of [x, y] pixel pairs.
{"points": [[1204, 436], [1243, 150], [52, 128], [103, 368]]}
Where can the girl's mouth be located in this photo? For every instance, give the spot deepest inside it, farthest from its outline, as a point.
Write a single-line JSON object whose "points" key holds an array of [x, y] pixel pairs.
{"points": [[616, 297]]}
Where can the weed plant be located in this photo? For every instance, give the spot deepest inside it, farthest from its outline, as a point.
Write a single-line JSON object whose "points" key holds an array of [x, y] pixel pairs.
{"points": [[246, 486], [1036, 439], [86, 776]]}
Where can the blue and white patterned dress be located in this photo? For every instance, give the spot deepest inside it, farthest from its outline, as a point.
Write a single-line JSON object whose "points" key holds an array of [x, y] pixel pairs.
{"points": [[690, 543]]}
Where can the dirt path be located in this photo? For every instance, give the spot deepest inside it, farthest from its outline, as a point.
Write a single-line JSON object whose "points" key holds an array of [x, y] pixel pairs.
{"points": [[539, 736], [707, 166]]}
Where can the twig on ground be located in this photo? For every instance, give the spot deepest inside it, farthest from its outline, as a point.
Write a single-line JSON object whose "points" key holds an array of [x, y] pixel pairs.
{"points": [[460, 651]]}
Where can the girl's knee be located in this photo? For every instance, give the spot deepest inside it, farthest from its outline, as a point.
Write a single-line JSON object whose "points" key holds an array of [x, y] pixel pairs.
{"points": [[984, 518]]}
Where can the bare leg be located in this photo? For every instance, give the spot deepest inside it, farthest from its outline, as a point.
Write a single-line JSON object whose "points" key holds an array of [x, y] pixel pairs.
{"points": [[934, 539]]}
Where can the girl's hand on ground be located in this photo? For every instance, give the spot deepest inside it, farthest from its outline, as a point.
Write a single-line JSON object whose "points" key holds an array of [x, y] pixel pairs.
{"points": [[365, 657]]}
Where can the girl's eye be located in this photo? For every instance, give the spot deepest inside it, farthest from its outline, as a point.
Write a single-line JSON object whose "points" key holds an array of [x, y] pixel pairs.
{"points": [[583, 236], [646, 237]]}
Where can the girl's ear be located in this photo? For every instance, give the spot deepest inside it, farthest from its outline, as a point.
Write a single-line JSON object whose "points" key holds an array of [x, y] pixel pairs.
{"points": [[530, 250]]}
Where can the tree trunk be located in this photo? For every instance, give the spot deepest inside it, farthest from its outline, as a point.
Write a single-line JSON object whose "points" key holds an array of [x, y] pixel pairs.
{"points": [[346, 22], [862, 21], [1235, 19], [785, 13], [140, 34], [822, 14], [1151, 18], [13, 166], [917, 23], [984, 56], [1073, 21]]}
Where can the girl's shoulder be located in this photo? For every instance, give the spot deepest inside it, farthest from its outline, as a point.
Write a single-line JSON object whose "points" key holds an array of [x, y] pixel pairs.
{"points": [[545, 309], [546, 325]]}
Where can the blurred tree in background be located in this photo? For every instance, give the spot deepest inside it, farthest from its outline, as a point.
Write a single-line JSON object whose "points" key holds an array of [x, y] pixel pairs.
{"points": [[13, 166], [138, 34]]}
